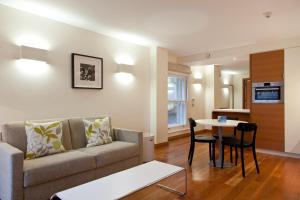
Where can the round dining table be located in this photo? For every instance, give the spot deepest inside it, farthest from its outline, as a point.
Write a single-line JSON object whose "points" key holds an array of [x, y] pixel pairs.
{"points": [[219, 125]]}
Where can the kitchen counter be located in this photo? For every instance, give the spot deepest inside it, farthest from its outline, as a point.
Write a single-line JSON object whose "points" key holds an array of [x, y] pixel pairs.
{"points": [[240, 114], [232, 110]]}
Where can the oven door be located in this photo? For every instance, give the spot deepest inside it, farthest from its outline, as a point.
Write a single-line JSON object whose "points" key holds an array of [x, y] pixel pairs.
{"points": [[267, 94]]}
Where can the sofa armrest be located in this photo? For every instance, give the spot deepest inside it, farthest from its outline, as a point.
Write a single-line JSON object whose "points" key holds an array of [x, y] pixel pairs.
{"points": [[11, 172], [130, 136]]}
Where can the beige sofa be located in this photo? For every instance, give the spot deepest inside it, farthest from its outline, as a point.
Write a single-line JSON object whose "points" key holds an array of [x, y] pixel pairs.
{"points": [[39, 178]]}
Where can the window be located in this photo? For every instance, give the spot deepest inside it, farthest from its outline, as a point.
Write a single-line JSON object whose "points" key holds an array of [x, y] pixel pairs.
{"points": [[177, 97]]}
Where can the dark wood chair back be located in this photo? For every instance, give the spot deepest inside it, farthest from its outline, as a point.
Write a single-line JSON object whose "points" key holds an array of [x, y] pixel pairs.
{"points": [[247, 128], [193, 124], [201, 139]]}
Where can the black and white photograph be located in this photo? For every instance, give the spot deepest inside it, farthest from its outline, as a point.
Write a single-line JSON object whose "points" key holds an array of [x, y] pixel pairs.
{"points": [[87, 71]]}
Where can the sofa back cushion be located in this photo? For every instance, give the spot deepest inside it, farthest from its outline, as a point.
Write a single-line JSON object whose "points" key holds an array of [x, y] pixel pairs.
{"points": [[14, 134], [78, 131]]}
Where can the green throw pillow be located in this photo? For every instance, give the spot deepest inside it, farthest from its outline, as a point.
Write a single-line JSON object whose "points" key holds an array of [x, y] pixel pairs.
{"points": [[97, 132], [43, 139]]}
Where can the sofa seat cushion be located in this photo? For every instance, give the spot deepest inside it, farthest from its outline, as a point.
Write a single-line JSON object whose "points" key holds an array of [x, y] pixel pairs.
{"points": [[53, 167], [112, 152]]}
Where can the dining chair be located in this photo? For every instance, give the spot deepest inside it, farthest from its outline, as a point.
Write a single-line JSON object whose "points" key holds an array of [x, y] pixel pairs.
{"points": [[229, 136], [243, 128], [200, 139]]}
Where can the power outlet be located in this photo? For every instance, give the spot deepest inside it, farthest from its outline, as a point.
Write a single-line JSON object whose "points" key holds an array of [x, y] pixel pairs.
{"points": [[193, 102]]}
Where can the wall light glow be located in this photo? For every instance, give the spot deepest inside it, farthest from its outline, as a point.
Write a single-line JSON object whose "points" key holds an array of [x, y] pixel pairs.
{"points": [[124, 59], [132, 38], [197, 75], [229, 72], [37, 8], [124, 78], [197, 87], [43, 9], [32, 67], [32, 40], [226, 91], [226, 81], [226, 78]]}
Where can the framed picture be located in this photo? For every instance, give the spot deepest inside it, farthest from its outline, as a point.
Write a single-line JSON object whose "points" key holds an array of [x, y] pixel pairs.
{"points": [[87, 72]]}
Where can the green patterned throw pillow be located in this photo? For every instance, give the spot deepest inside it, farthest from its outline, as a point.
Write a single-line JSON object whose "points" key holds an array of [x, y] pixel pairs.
{"points": [[97, 132], [43, 139]]}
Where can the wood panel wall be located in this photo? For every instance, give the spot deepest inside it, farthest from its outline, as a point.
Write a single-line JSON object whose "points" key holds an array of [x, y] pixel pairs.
{"points": [[268, 67]]}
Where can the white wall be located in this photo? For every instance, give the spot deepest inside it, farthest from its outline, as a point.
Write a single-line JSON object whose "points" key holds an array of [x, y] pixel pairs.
{"points": [[196, 94], [238, 89], [291, 99], [49, 93], [223, 95], [159, 94], [209, 95]]}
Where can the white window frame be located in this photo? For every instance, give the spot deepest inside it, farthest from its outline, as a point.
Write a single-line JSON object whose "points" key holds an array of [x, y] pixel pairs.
{"points": [[172, 128]]}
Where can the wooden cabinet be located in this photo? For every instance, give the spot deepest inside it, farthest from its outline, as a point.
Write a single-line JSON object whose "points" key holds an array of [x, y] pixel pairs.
{"points": [[268, 67]]}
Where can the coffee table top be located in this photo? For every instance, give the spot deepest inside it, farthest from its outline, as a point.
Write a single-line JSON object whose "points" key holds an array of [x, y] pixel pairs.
{"points": [[121, 184]]}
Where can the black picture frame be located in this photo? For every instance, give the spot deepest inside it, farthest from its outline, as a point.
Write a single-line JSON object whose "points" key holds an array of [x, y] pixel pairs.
{"points": [[86, 82]]}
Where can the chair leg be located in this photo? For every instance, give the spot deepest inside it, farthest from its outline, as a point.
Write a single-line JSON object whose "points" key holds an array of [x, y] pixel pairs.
{"points": [[222, 162], [243, 162], [255, 159], [231, 154], [236, 155], [214, 154], [190, 151], [210, 158], [192, 154]]}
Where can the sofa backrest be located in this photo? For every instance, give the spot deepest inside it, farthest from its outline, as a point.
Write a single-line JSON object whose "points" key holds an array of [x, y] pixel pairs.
{"points": [[14, 134], [74, 137], [78, 132]]}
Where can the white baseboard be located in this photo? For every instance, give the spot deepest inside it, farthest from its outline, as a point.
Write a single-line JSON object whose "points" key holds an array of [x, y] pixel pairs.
{"points": [[277, 153]]}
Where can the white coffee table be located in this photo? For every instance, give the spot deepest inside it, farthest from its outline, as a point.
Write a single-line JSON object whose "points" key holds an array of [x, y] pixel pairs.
{"points": [[219, 125], [123, 183]]}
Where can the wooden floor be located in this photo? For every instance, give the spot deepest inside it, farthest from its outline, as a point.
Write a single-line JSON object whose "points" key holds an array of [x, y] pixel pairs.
{"points": [[279, 177]]}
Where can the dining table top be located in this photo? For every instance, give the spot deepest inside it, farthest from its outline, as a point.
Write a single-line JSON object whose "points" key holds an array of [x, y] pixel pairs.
{"points": [[215, 122]]}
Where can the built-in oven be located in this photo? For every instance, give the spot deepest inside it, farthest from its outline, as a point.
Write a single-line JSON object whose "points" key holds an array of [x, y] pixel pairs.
{"points": [[267, 92]]}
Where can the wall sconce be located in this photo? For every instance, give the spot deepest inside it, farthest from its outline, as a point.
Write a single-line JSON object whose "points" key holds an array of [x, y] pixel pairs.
{"points": [[30, 53], [197, 83], [32, 61], [226, 85], [124, 73], [124, 68]]}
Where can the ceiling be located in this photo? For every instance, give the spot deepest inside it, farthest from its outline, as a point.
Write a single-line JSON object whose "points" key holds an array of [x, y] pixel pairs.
{"points": [[183, 26], [230, 65]]}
